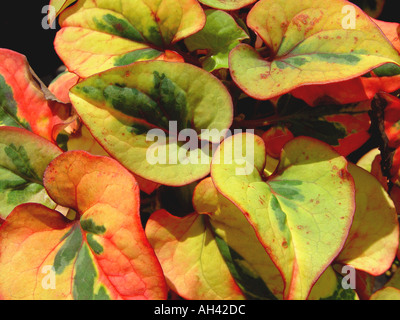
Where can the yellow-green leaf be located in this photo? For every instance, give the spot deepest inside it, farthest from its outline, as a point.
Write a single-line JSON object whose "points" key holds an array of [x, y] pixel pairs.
{"points": [[250, 265], [121, 107], [227, 4], [373, 239], [219, 36], [98, 35], [24, 157], [307, 42], [329, 287], [301, 214], [387, 293], [193, 266]]}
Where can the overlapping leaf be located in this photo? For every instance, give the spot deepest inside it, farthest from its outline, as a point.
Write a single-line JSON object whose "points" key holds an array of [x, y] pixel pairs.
{"points": [[250, 265], [361, 88], [61, 85], [275, 138], [371, 162], [76, 135], [349, 91], [227, 4], [98, 35], [190, 258], [329, 287], [386, 293], [23, 103], [373, 239], [102, 254], [301, 214], [345, 127], [306, 43], [391, 31], [121, 106], [59, 6], [24, 157], [219, 36], [392, 120]]}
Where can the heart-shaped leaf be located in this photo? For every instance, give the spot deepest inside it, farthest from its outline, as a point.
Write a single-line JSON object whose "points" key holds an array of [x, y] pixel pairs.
{"points": [[373, 239], [227, 4], [295, 211], [24, 157], [121, 106], [102, 254], [219, 36], [193, 266], [98, 35], [307, 42]]}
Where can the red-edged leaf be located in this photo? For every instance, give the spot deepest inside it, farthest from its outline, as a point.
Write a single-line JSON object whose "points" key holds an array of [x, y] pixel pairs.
{"points": [[189, 255], [275, 138], [23, 101], [102, 254], [98, 35], [60, 86], [307, 43], [349, 91]]}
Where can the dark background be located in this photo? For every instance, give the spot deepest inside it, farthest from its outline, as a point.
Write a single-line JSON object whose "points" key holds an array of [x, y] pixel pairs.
{"points": [[21, 30]]}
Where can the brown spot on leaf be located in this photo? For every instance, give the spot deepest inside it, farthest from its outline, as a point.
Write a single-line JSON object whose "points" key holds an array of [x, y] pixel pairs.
{"points": [[342, 174]]}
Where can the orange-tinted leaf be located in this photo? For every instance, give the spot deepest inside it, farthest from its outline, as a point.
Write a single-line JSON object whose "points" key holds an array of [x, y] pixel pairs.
{"points": [[193, 266], [349, 91], [172, 56], [102, 254], [60, 86], [344, 127], [275, 138], [391, 31], [23, 103], [392, 120]]}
